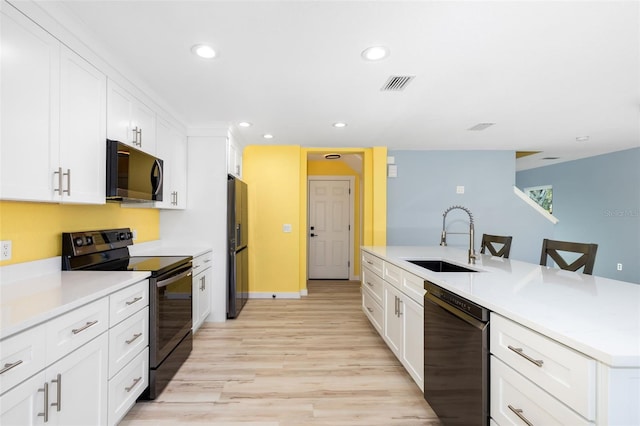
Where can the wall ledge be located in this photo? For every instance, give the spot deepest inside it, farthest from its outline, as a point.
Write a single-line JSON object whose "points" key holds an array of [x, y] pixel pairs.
{"points": [[550, 217]]}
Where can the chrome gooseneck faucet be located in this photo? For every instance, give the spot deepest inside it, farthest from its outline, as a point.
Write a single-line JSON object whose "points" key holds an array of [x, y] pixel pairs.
{"points": [[443, 236]]}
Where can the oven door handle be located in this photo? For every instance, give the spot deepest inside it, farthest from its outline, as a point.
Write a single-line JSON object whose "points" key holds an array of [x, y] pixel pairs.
{"points": [[163, 283]]}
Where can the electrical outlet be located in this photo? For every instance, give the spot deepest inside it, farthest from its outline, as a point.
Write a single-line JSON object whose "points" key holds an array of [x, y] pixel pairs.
{"points": [[619, 267], [134, 234], [5, 250], [459, 189]]}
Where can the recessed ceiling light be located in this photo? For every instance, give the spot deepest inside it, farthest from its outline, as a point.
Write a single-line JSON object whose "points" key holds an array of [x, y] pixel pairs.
{"points": [[267, 136], [339, 124], [204, 51], [582, 138], [375, 53], [245, 124], [332, 156]]}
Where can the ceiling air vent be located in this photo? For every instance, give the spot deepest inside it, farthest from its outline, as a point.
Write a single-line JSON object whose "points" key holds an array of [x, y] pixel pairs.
{"points": [[481, 126], [397, 83]]}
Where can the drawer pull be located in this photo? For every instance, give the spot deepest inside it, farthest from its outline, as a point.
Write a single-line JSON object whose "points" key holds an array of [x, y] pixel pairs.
{"points": [[135, 299], [519, 351], [135, 382], [84, 327], [369, 262], [369, 309], [135, 336], [518, 412], [8, 366], [45, 414], [196, 266], [370, 285], [207, 260]]}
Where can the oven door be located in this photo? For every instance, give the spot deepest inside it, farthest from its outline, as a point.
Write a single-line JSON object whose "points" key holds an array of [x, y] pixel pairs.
{"points": [[171, 312]]}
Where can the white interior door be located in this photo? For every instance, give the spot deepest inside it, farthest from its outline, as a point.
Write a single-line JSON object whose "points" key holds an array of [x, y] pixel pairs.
{"points": [[329, 229]]}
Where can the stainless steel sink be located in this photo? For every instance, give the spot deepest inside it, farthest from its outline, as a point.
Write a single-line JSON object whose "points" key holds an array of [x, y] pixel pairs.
{"points": [[440, 266]]}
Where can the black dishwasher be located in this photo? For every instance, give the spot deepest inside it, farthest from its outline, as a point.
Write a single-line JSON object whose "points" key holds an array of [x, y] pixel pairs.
{"points": [[456, 357]]}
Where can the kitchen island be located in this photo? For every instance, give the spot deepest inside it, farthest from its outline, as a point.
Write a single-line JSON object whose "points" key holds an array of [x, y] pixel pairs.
{"points": [[597, 319]]}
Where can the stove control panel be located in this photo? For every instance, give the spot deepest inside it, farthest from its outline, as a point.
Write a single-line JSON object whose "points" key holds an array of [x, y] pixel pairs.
{"points": [[88, 242]]}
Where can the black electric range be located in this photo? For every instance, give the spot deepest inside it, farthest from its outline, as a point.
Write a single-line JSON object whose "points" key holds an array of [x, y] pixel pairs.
{"points": [[170, 294]]}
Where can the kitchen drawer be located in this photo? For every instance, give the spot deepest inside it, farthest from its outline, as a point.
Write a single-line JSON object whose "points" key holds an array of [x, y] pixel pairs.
{"points": [[73, 329], [372, 262], [392, 274], [127, 301], [127, 386], [127, 339], [202, 262], [21, 356], [373, 283], [413, 286], [372, 309], [511, 393], [566, 374]]}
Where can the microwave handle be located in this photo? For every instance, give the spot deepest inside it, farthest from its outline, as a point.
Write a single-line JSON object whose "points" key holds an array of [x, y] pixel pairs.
{"points": [[156, 165]]}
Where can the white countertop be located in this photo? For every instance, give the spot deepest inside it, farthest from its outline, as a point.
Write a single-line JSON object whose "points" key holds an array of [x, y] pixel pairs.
{"points": [[28, 302], [167, 248], [597, 316]]}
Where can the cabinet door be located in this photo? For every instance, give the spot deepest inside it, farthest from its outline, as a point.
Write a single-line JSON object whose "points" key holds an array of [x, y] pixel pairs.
{"points": [[144, 120], [172, 149], [29, 94], [24, 405], [119, 108], [413, 339], [392, 319], [82, 130], [204, 299], [78, 385]]}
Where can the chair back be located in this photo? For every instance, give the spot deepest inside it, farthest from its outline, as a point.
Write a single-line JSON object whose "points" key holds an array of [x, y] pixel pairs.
{"points": [[551, 248], [488, 242]]}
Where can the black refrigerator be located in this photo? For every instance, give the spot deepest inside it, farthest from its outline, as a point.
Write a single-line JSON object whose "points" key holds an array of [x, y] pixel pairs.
{"points": [[238, 249]]}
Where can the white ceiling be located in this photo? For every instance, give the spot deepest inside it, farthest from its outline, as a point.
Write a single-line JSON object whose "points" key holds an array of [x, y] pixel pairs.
{"points": [[545, 72]]}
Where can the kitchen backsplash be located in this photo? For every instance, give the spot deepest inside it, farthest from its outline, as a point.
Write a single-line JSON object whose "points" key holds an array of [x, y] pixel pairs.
{"points": [[34, 228]]}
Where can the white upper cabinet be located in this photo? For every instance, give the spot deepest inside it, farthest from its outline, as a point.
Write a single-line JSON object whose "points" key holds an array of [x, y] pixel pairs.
{"points": [[234, 157], [129, 120], [172, 150], [82, 129], [53, 118]]}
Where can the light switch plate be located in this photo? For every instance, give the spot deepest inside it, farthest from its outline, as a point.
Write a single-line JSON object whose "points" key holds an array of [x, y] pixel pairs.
{"points": [[286, 227], [5, 250], [459, 189]]}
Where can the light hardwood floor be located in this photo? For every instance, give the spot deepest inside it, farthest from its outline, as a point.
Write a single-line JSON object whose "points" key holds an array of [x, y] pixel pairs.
{"points": [[312, 361]]}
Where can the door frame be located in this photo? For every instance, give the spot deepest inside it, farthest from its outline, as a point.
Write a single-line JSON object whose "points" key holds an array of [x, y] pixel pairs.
{"points": [[352, 182]]}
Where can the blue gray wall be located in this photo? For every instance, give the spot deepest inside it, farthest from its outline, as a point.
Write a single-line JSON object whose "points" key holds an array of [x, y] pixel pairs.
{"points": [[597, 199], [426, 186]]}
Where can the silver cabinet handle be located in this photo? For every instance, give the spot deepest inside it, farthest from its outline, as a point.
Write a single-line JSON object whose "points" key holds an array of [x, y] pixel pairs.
{"points": [[140, 138], [68, 175], [133, 339], [518, 412], [8, 366], [135, 382], [58, 382], [519, 351], [84, 327], [202, 284], [369, 262], [207, 260], [196, 266], [399, 307], [137, 135], [45, 414], [369, 309], [135, 299], [370, 285], [59, 188]]}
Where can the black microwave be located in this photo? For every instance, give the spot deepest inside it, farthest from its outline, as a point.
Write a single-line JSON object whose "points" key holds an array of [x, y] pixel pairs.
{"points": [[132, 175]]}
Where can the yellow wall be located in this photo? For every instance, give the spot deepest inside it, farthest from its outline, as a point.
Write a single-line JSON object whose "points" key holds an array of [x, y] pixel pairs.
{"points": [[340, 168], [277, 181], [35, 228], [272, 174]]}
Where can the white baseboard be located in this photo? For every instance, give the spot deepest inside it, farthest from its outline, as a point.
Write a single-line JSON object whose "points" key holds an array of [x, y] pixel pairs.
{"points": [[274, 295]]}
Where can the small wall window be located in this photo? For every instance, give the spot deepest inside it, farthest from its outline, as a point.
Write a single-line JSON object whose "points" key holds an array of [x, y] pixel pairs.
{"points": [[543, 195]]}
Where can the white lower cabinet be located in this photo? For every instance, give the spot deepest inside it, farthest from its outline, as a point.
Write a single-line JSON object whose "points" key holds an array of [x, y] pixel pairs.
{"points": [[83, 367], [72, 391], [389, 299], [202, 283]]}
